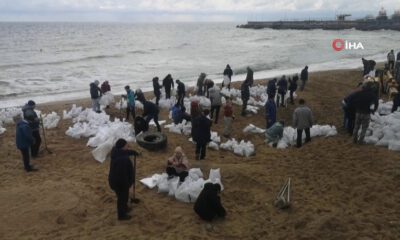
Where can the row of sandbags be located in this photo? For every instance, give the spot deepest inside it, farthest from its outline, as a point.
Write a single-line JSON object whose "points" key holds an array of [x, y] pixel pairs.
{"points": [[384, 131]]}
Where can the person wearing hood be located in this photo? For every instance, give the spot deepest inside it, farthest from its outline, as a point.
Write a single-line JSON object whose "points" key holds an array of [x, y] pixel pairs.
{"points": [[249, 76], [95, 94], [208, 205], [121, 176], [303, 78], [228, 72], [156, 89], [245, 95], [168, 83], [282, 89], [34, 122], [178, 165], [216, 102], [200, 83], [181, 91], [130, 105], [24, 140]]}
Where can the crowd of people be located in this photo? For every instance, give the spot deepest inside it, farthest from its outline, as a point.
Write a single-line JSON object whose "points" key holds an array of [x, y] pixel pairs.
{"points": [[356, 106]]}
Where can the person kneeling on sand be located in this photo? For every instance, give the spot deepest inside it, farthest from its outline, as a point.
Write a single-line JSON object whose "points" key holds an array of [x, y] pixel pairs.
{"points": [[178, 165], [274, 133], [179, 113], [208, 204], [121, 176]]}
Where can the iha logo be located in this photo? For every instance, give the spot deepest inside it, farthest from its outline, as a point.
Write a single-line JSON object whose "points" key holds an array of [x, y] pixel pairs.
{"points": [[340, 44]]}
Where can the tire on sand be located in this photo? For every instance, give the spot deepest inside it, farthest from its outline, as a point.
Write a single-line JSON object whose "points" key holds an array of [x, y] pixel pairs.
{"points": [[152, 140]]}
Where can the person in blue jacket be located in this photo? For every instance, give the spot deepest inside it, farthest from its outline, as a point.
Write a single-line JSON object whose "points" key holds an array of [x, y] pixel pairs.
{"points": [[24, 140], [130, 106]]}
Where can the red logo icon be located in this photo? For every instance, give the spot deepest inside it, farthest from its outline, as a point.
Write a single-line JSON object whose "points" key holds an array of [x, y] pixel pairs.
{"points": [[338, 44]]}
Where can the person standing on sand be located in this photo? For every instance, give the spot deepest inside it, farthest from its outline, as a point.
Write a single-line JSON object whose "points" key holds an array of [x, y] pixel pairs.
{"points": [[391, 60], [228, 72], [168, 83], [302, 121], [228, 118], [250, 76], [216, 102], [121, 176], [130, 105], [200, 83], [245, 94], [270, 112], [178, 165], [34, 122], [208, 83], [271, 88], [181, 92], [293, 87], [24, 141], [282, 89], [208, 205], [151, 111], [201, 133], [95, 94], [303, 78], [362, 101], [156, 89]]}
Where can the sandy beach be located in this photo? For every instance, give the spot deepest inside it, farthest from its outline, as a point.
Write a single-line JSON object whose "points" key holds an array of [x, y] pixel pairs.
{"points": [[340, 190]]}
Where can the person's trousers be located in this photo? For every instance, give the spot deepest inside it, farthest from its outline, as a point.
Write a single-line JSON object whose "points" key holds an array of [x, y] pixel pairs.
{"points": [[302, 85], [172, 172], [199, 91], [391, 65], [281, 100], [96, 104], [167, 93], [201, 151], [158, 98], [122, 201], [181, 97], [228, 126], [36, 145], [130, 110], [362, 120], [299, 136], [26, 159], [155, 119], [291, 96], [244, 106], [216, 110]]}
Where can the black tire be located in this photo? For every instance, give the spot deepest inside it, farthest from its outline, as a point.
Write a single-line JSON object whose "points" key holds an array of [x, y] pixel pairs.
{"points": [[152, 140]]}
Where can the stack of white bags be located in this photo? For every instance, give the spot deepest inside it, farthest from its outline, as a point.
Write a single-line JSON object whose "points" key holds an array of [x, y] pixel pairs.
{"points": [[384, 131], [187, 191]]}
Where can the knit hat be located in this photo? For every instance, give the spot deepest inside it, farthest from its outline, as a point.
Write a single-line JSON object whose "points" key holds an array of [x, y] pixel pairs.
{"points": [[96, 82], [120, 143]]}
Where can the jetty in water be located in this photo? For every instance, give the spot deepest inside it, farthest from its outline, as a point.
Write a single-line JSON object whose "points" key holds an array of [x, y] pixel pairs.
{"points": [[369, 23]]}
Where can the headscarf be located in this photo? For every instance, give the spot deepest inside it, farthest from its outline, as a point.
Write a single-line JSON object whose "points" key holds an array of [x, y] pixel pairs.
{"points": [[179, 160]]}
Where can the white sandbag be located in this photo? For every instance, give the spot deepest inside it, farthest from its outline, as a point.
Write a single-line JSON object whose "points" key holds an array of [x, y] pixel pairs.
{"points": [[101, 152], [173, 184], [253, 129], [152, 181], [51, 120], [226, 80], [195, 188], [73, 113], [215, 177], [107, 99], [182, 193], [213, 145], [2, 130], [195, 174], [162, 183]]}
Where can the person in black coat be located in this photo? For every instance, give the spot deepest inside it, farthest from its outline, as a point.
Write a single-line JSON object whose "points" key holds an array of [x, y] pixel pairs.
{"points": [[228, 72], [121, 176], [156, 89], [245, 94], [303, 78], [282, 89], [180, 91], [201, 133], [396, 100], [250, 76], [34, 123], [208, 204], [293, 87], [151, 111], [168, 83], [271, 88]]}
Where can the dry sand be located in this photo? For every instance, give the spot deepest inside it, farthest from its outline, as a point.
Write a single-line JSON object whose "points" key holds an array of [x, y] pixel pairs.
{"points": [[340, 190]]}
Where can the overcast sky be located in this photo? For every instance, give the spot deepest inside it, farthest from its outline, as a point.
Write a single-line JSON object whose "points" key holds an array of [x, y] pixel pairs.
{"points": [[186, 11]]}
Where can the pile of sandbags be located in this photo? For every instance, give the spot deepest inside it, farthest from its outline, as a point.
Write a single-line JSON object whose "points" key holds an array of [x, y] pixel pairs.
{"points": [[385, 108], [73, 113], [182, 128], [6, 117], [384, 131], [186, 191], [51, 120], [241, 148]]}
